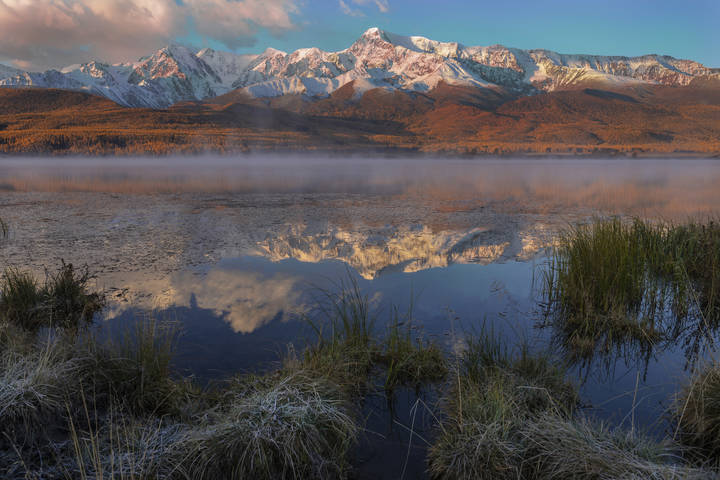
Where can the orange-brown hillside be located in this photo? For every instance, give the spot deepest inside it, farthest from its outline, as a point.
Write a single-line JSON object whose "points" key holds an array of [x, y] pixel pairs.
{"points": [[593, 119]]}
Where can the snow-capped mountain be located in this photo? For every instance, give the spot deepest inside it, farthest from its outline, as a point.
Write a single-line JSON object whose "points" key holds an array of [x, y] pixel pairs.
{"points": [[388, 249], [378, 59]]}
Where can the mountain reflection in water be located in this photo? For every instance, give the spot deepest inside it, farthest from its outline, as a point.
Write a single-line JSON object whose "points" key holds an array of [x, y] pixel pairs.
{"points": [[237, 250]]}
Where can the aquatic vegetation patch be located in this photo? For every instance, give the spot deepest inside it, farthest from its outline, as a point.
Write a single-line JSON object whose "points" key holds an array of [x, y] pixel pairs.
{"points": [[351, 350], [623, 288], [63, 300], [346, 345], [408, 358]]}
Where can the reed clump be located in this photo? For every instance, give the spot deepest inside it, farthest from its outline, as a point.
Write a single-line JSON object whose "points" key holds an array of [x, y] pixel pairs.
{"points": [[351, 350], [626, 287], [346, 345], [63, 300]]}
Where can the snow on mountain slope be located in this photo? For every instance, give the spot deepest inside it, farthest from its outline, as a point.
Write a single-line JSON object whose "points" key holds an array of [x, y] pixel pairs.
{"points": [[378, 59], [227, 66]]}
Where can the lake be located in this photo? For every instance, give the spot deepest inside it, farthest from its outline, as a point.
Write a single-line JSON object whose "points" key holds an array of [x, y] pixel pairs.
{"points": [[237, 251]]}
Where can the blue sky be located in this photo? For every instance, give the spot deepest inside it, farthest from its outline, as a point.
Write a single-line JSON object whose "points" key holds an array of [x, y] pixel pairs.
{"points": [[39, 34], [685, 29]]}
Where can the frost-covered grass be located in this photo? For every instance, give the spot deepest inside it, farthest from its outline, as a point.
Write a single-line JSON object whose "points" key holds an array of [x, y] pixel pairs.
{"points": [[293, 425], [511, 414], [75, 406], [556, 448], [494, 393], [82, 408]]}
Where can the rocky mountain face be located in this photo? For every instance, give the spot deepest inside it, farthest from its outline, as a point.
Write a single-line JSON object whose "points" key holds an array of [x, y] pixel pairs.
{"points": [[377, 60]]}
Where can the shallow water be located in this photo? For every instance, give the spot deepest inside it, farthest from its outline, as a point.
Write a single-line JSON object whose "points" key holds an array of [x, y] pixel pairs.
{"points": [[236, 249]]}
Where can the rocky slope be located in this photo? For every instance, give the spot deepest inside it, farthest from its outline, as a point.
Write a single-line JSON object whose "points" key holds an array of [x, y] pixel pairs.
{"points": [[377, 60]]}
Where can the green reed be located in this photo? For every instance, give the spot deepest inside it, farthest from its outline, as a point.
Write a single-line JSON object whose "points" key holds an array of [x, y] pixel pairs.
{"points": [[616, 286]]}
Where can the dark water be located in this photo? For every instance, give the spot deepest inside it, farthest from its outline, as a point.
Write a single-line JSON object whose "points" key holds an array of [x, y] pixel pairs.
{"points": [[235, 250], [448, 303]]}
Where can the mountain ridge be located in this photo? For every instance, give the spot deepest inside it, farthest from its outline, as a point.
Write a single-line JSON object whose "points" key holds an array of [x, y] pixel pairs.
{"points": [[376, 60]]}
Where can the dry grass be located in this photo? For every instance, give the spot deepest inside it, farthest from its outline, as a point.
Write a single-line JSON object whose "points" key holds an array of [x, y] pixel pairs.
{"points": [[51, 121], [696, 411], [512, 415], [280, 426]]}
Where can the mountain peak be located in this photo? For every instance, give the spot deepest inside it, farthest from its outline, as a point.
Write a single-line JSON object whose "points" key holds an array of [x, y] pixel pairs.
{"points": [[271, 52], [377, 59], [372, 31], [375, 33]]}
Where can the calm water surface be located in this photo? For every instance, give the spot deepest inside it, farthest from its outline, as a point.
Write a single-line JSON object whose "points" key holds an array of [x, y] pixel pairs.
{"points": [[237, 249]]}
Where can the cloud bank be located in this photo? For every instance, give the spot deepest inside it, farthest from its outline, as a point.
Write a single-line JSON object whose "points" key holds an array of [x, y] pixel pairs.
{"points": [[39, 34]]}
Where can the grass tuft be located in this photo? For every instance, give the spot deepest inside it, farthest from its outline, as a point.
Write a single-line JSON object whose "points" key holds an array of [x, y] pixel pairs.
{"points": [[68, 301], [495, 392], [278, 426], [409, 359], [63, 301], [21, 299], [512, 415], [696, 411], [614, 288], [558, 448]]}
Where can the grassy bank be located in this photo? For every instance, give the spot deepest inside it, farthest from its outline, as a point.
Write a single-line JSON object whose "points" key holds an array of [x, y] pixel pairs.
{"points": [[512, 414], [73, 405]]}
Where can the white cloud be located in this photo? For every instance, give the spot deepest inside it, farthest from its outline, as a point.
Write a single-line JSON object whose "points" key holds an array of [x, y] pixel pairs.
{"points": [[52, 33], [382, 5], [236, 22], [246, 300], [348, 9]]}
